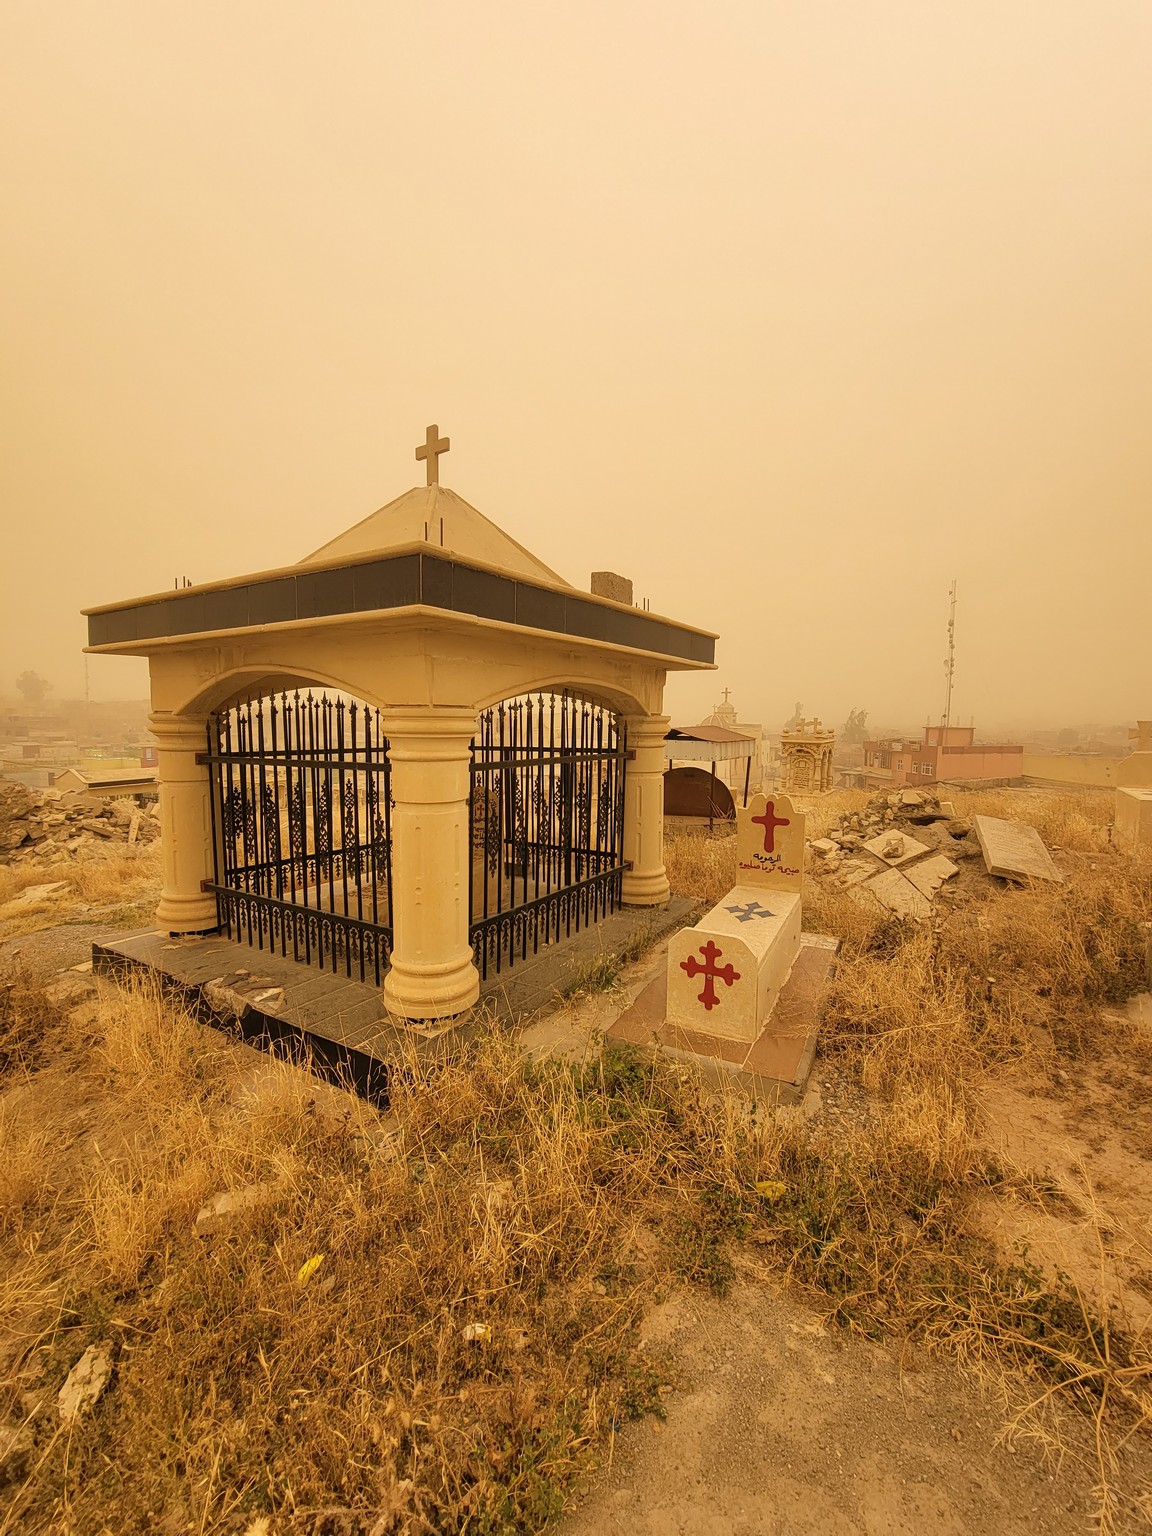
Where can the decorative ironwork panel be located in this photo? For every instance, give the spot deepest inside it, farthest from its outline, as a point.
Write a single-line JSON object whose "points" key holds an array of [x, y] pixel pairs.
{"points": [[547, 819], [309, 775]]}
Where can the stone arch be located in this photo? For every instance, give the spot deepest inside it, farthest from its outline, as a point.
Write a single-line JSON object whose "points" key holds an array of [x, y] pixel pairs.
{"points": [[595, 690], [231, 687]]}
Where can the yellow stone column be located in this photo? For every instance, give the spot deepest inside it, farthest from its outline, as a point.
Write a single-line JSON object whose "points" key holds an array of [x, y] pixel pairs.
{"points": [[432, 974], [646, 883], [185, 825]]}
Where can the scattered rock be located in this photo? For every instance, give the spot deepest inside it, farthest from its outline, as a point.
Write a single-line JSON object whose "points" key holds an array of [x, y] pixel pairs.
{"points": [[215, 1213], [15, 1444], [70, 989], [86, 1381], [40, 824], [895, 847], [31, 895]]}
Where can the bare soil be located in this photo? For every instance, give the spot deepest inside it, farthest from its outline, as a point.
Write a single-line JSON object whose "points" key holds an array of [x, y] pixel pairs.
{"points": [[783, 1427]]}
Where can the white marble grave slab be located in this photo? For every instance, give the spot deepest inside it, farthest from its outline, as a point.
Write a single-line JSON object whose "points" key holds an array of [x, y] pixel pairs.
{"points": [[1013, 850], [725, 974], [894, 891], [930, 874]]}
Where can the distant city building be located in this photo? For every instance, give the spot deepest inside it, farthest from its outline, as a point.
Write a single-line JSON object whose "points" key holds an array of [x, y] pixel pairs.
{"points": [[945, 753]]}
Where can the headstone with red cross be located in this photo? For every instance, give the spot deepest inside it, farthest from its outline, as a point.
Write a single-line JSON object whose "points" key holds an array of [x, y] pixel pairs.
{"points": [[725, 974], [770, 844]]}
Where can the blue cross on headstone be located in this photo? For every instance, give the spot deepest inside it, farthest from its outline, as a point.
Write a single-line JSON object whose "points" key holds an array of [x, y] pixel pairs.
{"points": [[746, 913]]}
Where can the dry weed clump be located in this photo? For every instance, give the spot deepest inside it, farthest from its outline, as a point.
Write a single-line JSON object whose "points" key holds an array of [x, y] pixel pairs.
{"points": [[109, 877], [423, 1320], [427, 1320]]}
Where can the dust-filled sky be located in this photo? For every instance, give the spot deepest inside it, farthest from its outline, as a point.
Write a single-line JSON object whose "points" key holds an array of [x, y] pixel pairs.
{"points": [[790, 311]]}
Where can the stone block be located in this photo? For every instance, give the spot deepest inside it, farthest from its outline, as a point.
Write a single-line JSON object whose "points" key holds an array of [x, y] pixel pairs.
{"points": [[770, 844], [1013, 850], [616, 588], [725, 974], [895, 848], [1134, 818]]}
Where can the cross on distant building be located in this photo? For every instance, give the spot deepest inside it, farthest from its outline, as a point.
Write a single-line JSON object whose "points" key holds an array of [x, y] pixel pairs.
{"points": [[431, 449], [711, 973], [746, 913], [1142, 735], [770, 821], [727, 691]]}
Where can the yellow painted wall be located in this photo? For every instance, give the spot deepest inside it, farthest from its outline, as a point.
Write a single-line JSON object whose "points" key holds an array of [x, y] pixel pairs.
{"points": [[1066, 768]]}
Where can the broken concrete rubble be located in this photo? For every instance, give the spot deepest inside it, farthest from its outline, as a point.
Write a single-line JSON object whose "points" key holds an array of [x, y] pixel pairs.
{"points": [[941, 864], [46, 825]]}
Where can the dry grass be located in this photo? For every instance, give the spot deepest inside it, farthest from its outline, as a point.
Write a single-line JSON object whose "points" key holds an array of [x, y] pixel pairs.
{"points": [[490, 1246], [112, 878]]}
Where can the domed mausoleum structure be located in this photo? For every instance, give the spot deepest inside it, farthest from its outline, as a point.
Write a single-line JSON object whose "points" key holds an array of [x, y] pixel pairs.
{"points": [[414, 756]]}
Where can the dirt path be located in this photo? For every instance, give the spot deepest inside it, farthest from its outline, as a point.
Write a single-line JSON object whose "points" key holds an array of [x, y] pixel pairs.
{"points": [[784, 1428]]}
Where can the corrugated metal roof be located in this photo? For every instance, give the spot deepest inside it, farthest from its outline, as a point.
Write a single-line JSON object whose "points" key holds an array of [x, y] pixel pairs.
{"points": [[706, 733]]}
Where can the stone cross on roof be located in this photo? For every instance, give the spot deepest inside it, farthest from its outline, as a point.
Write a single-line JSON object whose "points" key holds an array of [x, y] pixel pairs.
{"points": [[431, 449], [1142, 735], [727, 691]]}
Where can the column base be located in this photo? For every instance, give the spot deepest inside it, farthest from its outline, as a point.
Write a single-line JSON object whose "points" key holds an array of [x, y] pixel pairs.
{"points": [[433, 991], [187, 914], [645, 890]]}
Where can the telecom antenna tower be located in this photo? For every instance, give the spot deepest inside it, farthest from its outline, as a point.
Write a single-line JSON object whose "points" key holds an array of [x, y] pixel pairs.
{"points": [[950, 663]]}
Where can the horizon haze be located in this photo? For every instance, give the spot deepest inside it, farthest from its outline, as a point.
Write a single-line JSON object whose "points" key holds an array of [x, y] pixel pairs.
{"points": [[790, 314]]}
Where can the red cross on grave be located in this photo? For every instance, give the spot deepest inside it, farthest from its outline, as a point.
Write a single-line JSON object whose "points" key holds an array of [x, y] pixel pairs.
{"points": [[711, 973], [770, 821]]}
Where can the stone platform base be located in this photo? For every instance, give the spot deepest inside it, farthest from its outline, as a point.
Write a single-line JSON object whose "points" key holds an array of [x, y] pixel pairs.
{"points": [[339, 1029], [776, 1066]]}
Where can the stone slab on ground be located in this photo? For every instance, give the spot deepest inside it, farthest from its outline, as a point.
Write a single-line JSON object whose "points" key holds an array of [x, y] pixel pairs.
{"points": [[896, 892], [885, 847], [930, 874], [775, 1066], [1013, 850]]}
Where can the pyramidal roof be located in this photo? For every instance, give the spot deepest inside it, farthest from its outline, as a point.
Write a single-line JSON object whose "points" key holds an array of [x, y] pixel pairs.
{"points": [[435, 515]]}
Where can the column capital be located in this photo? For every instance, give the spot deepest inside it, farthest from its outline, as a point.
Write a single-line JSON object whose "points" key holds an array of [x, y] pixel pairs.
{"points": [[647, 730], [178, 730], [435, 733]]}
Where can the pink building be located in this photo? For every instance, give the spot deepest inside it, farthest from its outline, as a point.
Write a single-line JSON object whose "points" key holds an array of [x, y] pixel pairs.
{"points": [[946, 753]]}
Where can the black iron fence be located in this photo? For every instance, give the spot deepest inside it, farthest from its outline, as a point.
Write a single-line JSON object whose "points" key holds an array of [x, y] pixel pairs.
{"points": [[302, 821], [547, 815]]}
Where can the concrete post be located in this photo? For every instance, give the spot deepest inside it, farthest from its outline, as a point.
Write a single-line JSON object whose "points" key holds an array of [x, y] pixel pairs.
{"points": [[432, 975], [646, 883], [185, 825]]}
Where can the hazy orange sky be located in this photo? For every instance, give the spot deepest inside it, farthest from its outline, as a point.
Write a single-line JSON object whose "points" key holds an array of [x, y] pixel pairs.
{"points": [[791, 312]]}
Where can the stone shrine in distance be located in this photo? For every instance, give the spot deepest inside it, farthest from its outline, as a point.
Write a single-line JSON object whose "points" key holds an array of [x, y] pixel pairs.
{"points": [[806, 751], [413, 758]]}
